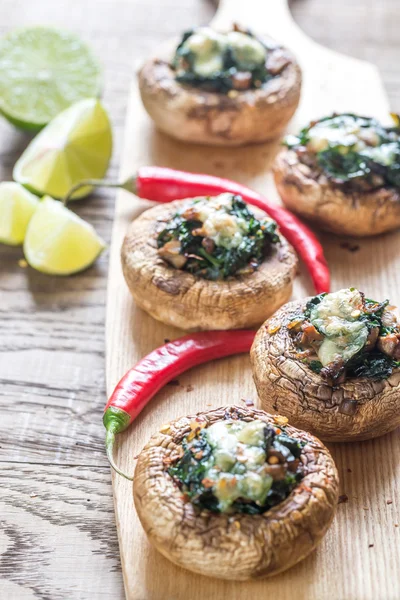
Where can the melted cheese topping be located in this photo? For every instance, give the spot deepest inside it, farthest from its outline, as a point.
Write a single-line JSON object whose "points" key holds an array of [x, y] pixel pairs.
{"points": [[337, 318], [384, 155], [224, 229], [247, 51], [236, 468], [344, 132], [208, 47]]}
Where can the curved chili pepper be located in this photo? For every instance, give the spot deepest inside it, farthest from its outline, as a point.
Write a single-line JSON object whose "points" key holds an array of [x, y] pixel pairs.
{"points": [[145, 379], [161, 184]]}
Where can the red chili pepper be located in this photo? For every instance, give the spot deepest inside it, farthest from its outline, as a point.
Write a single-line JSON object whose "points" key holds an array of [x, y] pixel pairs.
{"points": [[144, 380], [161, 184]]}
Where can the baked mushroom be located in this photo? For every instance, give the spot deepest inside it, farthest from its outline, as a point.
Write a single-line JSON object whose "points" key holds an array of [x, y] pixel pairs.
{"points": [[331, 364], [343, 173], [225, 89], [234, 493], [208, 263]]}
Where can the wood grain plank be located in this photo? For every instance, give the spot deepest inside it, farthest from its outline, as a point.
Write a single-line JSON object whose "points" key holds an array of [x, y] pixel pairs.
{"points": [[358, 558], [39, 507]]}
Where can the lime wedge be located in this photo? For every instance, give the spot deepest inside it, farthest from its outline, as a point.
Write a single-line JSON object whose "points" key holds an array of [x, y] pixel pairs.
{"points": [[58, 242], [42, 72], [76, 145], [17, 206]]}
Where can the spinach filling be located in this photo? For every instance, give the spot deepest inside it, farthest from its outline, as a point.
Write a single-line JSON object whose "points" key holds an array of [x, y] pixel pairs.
{"points": [[236, 466], [217, 238], [345, 335], [353, 151], [221, 62]]}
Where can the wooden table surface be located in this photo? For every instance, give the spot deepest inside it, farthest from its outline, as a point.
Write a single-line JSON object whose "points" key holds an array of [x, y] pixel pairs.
{"points": [[57, 536]]}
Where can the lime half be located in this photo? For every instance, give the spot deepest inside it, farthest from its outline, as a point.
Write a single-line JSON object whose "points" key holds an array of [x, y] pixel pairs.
{"points": [[58, 242], [42, 72], [17, 206], [76, 145]]}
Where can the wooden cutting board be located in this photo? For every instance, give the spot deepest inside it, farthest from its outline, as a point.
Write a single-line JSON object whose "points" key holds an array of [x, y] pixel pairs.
{"points": [[360, 557]]}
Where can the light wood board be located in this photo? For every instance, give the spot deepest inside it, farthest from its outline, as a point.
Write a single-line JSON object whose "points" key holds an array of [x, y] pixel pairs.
{"points": [[359, 558]]}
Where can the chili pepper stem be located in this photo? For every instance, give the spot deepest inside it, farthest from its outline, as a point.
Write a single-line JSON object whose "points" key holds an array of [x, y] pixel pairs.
{"points": [[129, 185], [115, 420], [110, 440]]}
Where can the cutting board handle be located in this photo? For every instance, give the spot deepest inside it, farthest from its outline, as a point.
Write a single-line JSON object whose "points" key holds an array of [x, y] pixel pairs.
{"points": [[265, 16]]}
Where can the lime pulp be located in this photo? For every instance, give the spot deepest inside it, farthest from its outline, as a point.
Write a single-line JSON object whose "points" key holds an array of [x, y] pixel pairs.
{"points": [[43, 71], [58, 242], [17, 206], [76, 145]]}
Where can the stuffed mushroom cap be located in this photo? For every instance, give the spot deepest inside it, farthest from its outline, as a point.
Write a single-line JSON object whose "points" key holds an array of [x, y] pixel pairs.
{"points": [[360, 203], [232, 117], [235, 546], [356, 408], [186, 300], [357, 214]]}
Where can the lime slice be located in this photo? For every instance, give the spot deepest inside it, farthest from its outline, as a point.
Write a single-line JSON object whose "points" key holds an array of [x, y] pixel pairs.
{"points": [[76, 145], [58, 242], [17, 206], [42, 72]]}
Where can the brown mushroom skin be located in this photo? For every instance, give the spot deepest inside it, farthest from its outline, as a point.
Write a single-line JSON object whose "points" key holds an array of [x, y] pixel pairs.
{"points": [[181, 299], [358, 409], [190, 114], [329, 206], [238, 546]]}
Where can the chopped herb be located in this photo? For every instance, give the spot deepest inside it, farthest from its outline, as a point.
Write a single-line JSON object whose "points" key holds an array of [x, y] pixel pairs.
{"points": [[374, 365], [373, 315], [290, 443], [313, 302], [315, 365], [223, 259], [191, 471]]}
